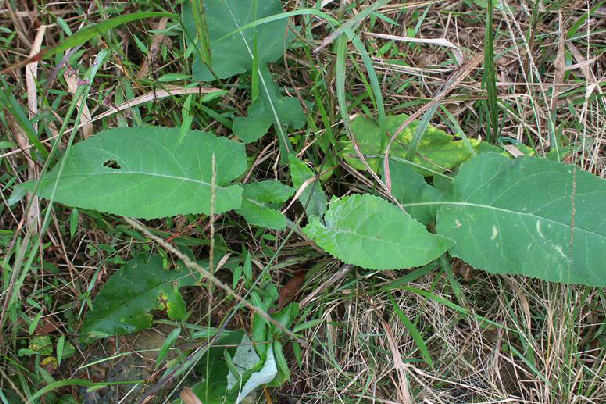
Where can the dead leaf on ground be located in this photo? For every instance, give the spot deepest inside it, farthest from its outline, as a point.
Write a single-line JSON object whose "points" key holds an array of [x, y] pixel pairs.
{"points": [[189, 397], [292, 287]]}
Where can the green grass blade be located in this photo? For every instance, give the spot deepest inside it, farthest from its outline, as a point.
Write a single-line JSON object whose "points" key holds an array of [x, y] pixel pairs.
{"points": [[413, 330], [272, 18], [76, 382], [490, 78], [202, 31], [351, 23], [458, 130], [8, 100], [420, 131], [374, 81], [455, 307], [90, 32]]}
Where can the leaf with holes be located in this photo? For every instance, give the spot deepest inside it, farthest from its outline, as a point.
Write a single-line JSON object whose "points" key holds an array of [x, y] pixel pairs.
{"points": [[122, 306], [257, 202], [528, 216], [233, 54], [437, 151], [370, 232], [145, 172]]}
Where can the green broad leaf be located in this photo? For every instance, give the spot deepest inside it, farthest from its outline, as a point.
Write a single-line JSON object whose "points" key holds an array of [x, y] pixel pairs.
{"points": [[41, 345], [485, 147], [233, 54], [528, 216], [257, 203], [444, 185], [213, 370], [285, 318], [247, 361], [269, 108], [283, 371], [143, 172], [269, 191], [313, 198], [232, 382], [174, 305], [408, 186], [436, 153], [370, 232], [122, 306], [259, 214]]}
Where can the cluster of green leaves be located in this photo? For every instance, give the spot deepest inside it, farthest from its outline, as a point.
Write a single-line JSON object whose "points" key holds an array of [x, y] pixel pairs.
{"points": [[512, 216], [528, 215], [229, 370]]}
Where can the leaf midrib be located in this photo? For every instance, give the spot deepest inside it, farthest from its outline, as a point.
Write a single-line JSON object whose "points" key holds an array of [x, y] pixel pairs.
{"points": [[413, 204], [385, 240], [85, 176]]}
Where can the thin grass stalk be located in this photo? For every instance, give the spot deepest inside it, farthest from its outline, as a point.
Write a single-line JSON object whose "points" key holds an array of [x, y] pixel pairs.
{"points": [[203, 42], [420, 131], [211, 266], [490, 80]]}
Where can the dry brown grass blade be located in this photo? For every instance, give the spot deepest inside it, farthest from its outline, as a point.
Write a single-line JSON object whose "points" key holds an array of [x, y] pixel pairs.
{"points": [[403, 391], [189, 397], [153, 50], [429, 41], [16, 18], [584, 65], [151, 96], [71, 78], [33, 214], [559, 65], [30, 76], [299, 192], [592, 85], [520, 293], [333, 279]]}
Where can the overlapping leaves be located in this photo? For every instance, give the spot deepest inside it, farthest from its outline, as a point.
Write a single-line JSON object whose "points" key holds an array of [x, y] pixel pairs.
{"points": [[437, 151], [245, 51], [258, 200]]}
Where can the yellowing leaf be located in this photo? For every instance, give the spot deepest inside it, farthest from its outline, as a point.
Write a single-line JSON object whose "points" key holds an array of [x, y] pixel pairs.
{"points": [[122, 306], [437, 151]]}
